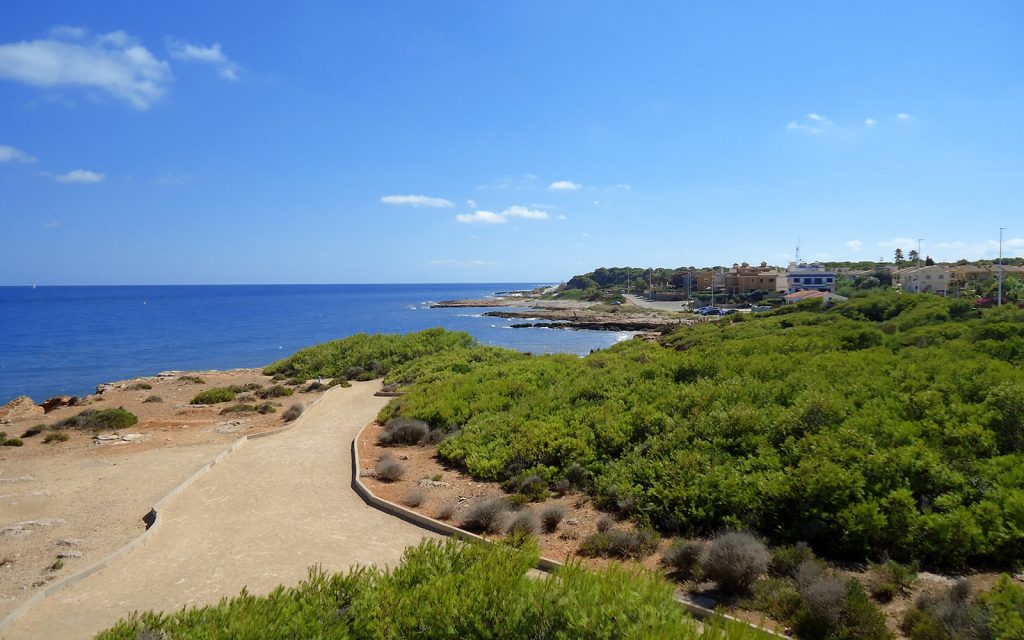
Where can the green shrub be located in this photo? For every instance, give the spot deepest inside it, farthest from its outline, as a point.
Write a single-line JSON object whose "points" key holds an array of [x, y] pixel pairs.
{"points": [[734, 560], [12, 442], [239, 408], [619, 543], [214, 396], [276, 391], [139, 386], [34, 431], [1004, 605], [834, 608], [891, 579], [389, 470], [153, 399], [293, 412], [99, 419], [192, 379], [531, 485], [55, 437], [776, 597], [787, 559], [265, 408], [245, 388], [683, 559]]}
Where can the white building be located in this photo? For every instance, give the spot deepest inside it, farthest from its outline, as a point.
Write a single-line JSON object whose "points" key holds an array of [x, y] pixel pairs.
{"points": [[809, 277]]}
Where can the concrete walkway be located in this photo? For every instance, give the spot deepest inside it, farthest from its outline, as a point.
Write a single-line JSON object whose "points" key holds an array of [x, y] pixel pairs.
{"points": [[258, 519]]}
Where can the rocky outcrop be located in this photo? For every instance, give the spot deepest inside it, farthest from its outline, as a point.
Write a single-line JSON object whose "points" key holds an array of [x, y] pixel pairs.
{"points": [[21, 408], [56, 402]]}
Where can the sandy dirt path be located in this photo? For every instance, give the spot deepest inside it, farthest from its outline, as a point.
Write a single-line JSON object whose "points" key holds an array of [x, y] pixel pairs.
{"points": [[259, 519]]}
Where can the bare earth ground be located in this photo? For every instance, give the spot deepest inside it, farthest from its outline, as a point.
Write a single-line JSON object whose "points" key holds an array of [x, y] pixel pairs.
{"points": [[258, 519], [442, 484]]}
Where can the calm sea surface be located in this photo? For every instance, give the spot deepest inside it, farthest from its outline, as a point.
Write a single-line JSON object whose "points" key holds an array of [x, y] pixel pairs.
{"points": [[66, 340]]}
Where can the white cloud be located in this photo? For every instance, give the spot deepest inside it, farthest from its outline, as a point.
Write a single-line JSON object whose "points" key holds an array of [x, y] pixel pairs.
{"points": [[855, 245], [418, 201], [812, 123], [226, 67], [622, 186], [471, 203], [870, 122], [523, 212], [564, 185], [483, 217], [113, 62], [81, 176], [174, 179], [904, 116], [11, 154], [490, 217], [562, 217]]}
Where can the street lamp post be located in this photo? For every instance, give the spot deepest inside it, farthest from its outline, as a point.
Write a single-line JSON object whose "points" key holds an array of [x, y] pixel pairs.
{"points": [[1001, 229]]}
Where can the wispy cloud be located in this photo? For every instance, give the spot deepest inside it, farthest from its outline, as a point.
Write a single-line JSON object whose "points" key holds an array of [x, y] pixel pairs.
{"points": [[904, 116], [174, 179], [855, 245], [622, 186], [564, 185], [490, 217], [11, 154], [521, 183], [812, 123], [481, 217], [81, 176], [213, 55], [418, 201], [870, 122], [113, 62]]}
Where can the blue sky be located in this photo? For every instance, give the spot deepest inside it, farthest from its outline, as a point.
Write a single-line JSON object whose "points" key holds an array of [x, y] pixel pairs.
{"points": [[230, 142]]}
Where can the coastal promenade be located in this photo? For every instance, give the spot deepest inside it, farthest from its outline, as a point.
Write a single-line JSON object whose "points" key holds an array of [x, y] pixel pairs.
{"points": [[257, 520]]}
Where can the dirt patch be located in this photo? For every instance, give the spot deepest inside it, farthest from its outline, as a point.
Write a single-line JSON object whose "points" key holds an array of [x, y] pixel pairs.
{"points": [[65, 505]]}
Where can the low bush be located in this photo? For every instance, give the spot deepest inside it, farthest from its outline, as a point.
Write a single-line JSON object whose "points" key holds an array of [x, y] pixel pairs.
{"points": [[99, 419], [406, 431], [734, 560], [245, 388], [486, 516], [605, 522], [13, 442], [683, 559], [619, 543], [551, 517], [214, 396], [192, 379], [34, 431], [139, 386], [55, 436], [414, 498], [997, 614], [531, 485], [787, 559], [265, 408], [447, 510], [776, 597], [153, 399], [524, 523], [276, 391], [293, 412], [891, 579], [389, 470], [239, 408]]}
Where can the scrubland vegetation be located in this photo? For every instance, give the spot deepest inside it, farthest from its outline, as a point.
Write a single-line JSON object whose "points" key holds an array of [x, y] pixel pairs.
{"points": [[447, 590]]}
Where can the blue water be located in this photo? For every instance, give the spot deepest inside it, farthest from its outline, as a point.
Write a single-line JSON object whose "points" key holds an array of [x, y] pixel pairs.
{"points": [[66, 340]]}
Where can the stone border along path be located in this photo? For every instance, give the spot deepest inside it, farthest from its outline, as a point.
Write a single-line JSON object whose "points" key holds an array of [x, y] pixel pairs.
{"points": [[256, 516], [543, 564]]}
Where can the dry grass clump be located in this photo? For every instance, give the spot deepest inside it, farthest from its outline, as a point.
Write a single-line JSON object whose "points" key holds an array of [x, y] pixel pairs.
{"points": [[683, 558], [403, 431], [56, 436], [447, 510], [389, 470], [551, 517], [619, 543], [151, 399], [524, 523], [486, 516], [293, 412], [734, 560], [414, 498]]}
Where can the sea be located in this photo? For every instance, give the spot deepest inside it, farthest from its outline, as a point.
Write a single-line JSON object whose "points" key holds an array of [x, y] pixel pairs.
{"points": [[67, 340]]}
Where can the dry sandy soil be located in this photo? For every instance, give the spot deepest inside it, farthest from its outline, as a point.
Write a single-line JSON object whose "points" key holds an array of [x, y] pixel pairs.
{"points": [[65, 505]]}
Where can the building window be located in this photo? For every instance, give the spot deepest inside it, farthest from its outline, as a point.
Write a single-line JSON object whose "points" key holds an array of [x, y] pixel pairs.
{"points": [[828, 279], [817, 281], [796, 279]]}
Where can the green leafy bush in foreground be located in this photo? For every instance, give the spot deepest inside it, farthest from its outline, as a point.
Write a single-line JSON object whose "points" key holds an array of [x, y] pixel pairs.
{"points": [[99, 419], [214, 396], [886, 426], [447, 590]]}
